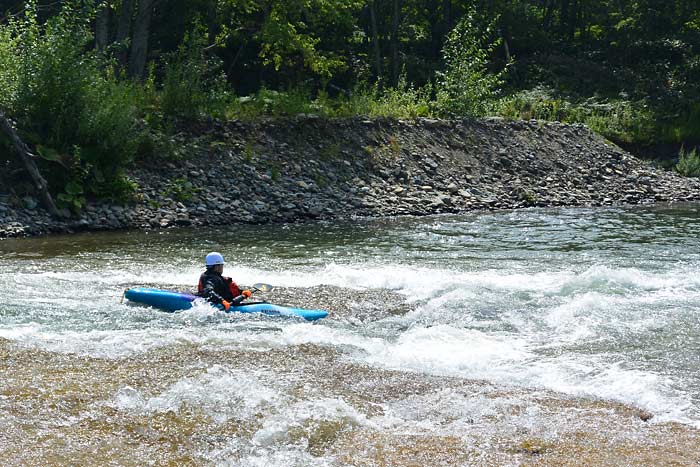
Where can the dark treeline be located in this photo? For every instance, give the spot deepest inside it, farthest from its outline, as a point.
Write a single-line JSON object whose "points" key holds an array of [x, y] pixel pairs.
{"points": [[645, 48], [628, 69]]}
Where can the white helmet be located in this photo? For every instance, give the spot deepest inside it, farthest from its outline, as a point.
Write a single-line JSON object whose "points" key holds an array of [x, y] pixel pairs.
{"points": [[213, 259]]}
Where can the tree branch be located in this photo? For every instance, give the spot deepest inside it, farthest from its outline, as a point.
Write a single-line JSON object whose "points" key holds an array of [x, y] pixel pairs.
{"points": [[27, 159]]}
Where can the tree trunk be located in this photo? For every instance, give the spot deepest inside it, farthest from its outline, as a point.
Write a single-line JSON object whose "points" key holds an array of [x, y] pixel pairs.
{"points": [[139, 41], [126, 12], [445, 27], [447, 16], [506, 50], [548, 12], [573, 20], [395, 20], [375, 40], [564, 18], [506, 46], [124, 24], [581, 21], [26, 158], [102, 26]]}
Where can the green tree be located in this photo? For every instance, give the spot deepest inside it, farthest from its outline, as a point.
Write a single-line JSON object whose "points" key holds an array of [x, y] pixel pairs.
{"points": [[466, 87], [80, 118], [290, 39]]}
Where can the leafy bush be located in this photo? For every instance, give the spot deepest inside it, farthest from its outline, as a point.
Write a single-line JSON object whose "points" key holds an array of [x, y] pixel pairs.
{"points": [[688, 163], [9, 67], [619, 120], [180, 189], [72, 197], [270, 103], [193, 82], [402, 101], [108, 129], [65, 100], [467, 87]]}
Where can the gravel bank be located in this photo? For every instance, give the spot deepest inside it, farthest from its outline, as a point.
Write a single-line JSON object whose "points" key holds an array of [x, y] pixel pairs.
{"points": [[309, 168]]}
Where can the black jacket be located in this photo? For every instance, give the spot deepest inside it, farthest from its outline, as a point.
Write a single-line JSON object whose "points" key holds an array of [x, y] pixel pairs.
{"points": [[217, 288]]}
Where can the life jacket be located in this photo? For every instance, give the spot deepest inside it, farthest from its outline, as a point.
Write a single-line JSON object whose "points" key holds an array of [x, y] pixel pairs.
{"points": [[232, 286]]}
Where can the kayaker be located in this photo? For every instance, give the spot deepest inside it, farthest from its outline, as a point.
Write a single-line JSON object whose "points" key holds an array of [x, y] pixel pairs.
{"points": [[218, 289]]}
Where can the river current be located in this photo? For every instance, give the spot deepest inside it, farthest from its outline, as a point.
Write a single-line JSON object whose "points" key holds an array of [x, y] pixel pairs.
{"points": [[458, 338]]}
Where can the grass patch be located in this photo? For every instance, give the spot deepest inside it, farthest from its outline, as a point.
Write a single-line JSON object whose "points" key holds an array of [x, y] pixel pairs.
{"points": [[620, 120], [401, 102], [688, 163]]}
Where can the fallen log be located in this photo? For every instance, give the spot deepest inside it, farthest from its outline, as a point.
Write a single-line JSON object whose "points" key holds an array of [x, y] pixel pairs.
{"points": [[27, 158]]}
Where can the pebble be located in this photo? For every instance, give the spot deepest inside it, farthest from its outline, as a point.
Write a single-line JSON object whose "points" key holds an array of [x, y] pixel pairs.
{"points": [[458, 166]]}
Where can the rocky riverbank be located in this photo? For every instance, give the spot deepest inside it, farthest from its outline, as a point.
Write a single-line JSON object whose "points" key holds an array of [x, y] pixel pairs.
{"points": [[312, 168]]}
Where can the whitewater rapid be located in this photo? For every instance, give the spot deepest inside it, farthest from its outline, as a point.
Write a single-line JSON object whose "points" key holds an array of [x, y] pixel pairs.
{"points": [[601, 304]]}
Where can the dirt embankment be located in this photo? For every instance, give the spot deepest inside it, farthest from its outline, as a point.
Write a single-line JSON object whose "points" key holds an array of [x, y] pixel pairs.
{"points": [[312, 168]]}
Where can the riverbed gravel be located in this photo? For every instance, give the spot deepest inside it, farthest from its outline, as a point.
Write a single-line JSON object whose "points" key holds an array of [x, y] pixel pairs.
{"points": [[309, 168]]}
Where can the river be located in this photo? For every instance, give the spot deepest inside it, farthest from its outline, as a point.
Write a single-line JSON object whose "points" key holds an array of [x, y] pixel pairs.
{"points": [[540, 336]]}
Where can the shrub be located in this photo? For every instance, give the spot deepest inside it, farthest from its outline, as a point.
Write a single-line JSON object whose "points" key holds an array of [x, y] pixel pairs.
{"points": [[180, 189], [617, 120], [402, 101], [271, 103], [688, 163], [81, 117], [467, 87], [192, 80], [9, 66]]}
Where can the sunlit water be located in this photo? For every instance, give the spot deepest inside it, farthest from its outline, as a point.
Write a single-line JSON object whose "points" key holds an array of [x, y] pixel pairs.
{"points": [[600, 303]]}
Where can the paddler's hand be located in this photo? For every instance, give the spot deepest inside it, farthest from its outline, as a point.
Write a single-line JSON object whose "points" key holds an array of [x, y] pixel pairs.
{"points": [[225, 304], [247, 293]]}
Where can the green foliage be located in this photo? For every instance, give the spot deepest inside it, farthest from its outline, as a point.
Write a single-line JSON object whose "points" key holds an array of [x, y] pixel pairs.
{"points": [[403, 101], [331, 151], [292, 37], [108, 129], [249, 152], [193, 83], [394, 147], [180, 189], [117, 188], [9, 66], [72, 198], [272, 103], [84, 118], [628, 70], [275, 173], [466, 86], [617, 120], [688, 163]]}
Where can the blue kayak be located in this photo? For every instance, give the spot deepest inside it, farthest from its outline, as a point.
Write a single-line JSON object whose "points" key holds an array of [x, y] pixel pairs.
{"points": [[175, 301]]}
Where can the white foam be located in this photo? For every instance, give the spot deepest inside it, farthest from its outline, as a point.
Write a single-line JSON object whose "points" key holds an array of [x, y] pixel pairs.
{"points": [[416, 282], [220, 392], [447, 350], [98, 343], [444, 350], [542, 311], [595, 377], [279, 456], [308, 417]]}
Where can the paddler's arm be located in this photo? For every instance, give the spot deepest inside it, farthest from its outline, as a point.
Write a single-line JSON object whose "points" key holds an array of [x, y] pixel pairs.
{"points": [[237, 300], [211, 296]]}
